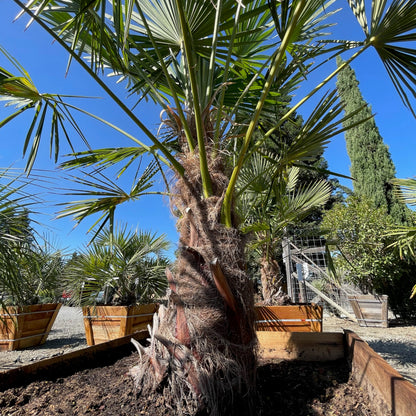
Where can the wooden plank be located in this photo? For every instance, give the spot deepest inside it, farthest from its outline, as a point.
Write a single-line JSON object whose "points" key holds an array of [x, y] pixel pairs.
{"points": [[89, 335], [29, 342], [305, 346], [299, 318], [125, 324], [7, 331], [386, 387], [19, 332], [103, 323], [370, 310], [35, 326]]}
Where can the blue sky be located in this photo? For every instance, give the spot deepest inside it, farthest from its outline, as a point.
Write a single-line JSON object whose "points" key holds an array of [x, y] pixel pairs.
{"points": [[46, 64]]}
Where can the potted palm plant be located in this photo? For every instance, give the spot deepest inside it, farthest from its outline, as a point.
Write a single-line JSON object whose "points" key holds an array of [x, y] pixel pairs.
{"points": [[118, 280], [29, 276], [270, 204]]}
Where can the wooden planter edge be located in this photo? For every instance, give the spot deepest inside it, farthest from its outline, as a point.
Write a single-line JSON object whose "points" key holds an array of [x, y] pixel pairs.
{"points": [[379, 379]]}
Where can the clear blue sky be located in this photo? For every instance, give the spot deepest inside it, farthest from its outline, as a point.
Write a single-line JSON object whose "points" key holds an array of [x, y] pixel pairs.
{"points": [[46, 63]]}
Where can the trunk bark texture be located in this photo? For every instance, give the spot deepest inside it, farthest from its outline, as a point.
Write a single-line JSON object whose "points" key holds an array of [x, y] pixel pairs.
{"points": [[202, 356], [272, 282]]}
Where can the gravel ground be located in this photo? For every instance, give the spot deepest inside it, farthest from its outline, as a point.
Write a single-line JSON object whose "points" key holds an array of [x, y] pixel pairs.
{"points": [[396, 344], [67, 334]]}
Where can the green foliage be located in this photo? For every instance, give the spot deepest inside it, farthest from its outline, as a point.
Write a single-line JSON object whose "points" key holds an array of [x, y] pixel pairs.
{"points": [[356, 234], [371, 165], [124, 268], [29, 271]]}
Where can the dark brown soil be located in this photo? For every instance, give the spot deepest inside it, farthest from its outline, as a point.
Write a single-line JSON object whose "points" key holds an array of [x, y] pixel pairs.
{"points": [[284, 388]]}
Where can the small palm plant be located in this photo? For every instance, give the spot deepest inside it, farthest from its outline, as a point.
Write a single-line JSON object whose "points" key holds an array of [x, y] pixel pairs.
{"points": [[119, 268], [30, 271], [271, 199]]}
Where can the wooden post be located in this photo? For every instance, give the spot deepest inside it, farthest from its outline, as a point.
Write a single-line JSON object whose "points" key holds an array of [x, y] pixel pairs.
{"points": [[288, 267], [89, 334]]}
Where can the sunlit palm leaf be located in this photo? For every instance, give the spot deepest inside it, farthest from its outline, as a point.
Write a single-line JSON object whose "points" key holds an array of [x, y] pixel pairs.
{"points": [[405, 236], [393, 26], [128, 267], [20, 92], [107, 195]]}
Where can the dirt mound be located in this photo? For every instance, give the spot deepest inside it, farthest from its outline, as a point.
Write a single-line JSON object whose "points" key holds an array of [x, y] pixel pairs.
{"points": [[284, 388]]}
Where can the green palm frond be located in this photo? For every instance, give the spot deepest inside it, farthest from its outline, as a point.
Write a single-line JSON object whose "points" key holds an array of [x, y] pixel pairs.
{"points": [[393, 27], [103, 196], [126, 266], [406, 190], [404, 236], [106, 158]]}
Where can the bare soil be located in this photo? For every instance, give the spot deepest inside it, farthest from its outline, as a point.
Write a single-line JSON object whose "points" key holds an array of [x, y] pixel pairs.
{"points": [[105, 387], [284, 388]]}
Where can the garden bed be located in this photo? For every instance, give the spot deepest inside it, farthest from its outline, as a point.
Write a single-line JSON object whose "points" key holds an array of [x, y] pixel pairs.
{"points": [[95, 381]]}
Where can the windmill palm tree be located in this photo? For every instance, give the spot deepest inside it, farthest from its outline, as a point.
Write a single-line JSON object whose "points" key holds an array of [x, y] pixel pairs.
{"points": [[126, 267], [268, 205], [30, 267], [214, 68]]}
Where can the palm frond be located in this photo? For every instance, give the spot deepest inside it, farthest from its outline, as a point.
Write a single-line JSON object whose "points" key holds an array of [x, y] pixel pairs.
{"points": [[103, 196], [393, 28]]}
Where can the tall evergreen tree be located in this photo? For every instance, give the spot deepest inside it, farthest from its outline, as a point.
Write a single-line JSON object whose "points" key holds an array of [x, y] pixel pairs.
{"points": [[371, 165]]}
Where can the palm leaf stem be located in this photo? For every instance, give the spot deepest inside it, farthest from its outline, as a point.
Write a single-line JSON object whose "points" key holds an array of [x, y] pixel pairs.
{"points": [[227, 204], [172, 88], [315, 90], [211, 68], [173, 162], [217, 132], [189, 57], [113, 126]]}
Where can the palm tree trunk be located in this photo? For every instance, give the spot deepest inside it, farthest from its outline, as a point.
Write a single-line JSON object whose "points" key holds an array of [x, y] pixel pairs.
{"points": [[272, 282], [203, 350]]}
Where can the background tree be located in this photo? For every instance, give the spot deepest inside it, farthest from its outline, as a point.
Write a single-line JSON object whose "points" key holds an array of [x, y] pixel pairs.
{"points": [[356, 235], [372, 168]]}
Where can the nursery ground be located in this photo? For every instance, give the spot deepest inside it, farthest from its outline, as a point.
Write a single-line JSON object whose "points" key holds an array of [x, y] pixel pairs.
{"points": [[284, 388]]}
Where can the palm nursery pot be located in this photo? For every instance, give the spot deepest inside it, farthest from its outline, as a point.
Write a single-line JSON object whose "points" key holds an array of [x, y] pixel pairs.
{"points": [[26, 326], [289, 318], [104, 323]]}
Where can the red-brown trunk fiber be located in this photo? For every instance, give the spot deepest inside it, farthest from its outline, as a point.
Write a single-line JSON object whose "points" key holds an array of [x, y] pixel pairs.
{"points": [[206, 342]]}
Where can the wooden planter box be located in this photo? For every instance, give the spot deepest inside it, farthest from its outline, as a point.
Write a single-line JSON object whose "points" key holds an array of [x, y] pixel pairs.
{"points": [[104, 323], [289, 318], [26, 326], [370, 310]]}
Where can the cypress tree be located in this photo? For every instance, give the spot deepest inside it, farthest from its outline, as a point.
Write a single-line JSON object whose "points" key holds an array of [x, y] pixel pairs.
{"points": [[371, 165]]}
